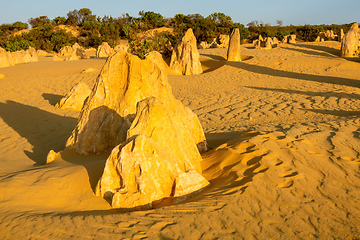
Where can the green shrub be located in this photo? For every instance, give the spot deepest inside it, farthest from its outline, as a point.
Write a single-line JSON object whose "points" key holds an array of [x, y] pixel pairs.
{"points": [[38, 21], [17, 44], [93, 41], [59, 20], [59, 39], [78, 17], [244, 32], [151, 20], [280, 34], [141, 48], [19, 26], [205, 29], [5, 27], [309, 32], [42, 37]]}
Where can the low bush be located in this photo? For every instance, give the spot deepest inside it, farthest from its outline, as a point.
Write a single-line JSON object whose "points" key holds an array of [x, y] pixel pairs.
{"points": [[41, 38], [17, 44], [141, 48]]}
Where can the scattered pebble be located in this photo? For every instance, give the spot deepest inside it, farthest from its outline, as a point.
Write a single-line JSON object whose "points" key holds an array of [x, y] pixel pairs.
{"points": [[88, 70]]}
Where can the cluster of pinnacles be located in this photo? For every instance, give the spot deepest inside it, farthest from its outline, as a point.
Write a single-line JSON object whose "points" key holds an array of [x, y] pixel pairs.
{"points": [[185, 57], [155, 141]]}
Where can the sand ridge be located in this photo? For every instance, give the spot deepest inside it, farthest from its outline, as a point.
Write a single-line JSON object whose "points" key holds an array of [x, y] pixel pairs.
{"points": [[284, 129]]}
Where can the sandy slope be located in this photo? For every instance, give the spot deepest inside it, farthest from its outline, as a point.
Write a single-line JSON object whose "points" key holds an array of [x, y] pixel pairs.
{"points": [[285, 129]]}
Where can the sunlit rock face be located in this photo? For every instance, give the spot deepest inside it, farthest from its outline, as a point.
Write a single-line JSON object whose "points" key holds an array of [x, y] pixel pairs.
{"points": [[33, 54], [77, 54], [350, 42], [75, 98], [224, 41], [122, 46], [330, 36], [66, 50], [110, 109], [104, 50], [275, 40], [268, 43], [6, 58], [234, 51], [341, 35], [21, 57], [159, 159], [185, 58], [292, 38], [289, 39]]}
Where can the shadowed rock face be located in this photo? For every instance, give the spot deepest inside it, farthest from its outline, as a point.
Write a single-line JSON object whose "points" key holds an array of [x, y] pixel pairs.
{"points": [[158, 160], [350, 42], [234, 51], [110, 109], [185, 57]]}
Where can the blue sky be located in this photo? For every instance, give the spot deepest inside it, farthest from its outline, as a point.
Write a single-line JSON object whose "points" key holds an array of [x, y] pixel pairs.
{"points": [[290, 12]]}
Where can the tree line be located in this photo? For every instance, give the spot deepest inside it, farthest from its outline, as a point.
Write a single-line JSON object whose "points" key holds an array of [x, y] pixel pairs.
{"points": [[305, 33], [93, 30]]}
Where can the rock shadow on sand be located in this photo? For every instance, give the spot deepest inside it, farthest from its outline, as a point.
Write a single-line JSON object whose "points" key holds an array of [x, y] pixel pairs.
{"points": [[337, 113], [308, 93], [311, 52], [320, 51], [216, 62], [46, 131], [326, 50], [300, 76], [53, 99], [42, 129]]}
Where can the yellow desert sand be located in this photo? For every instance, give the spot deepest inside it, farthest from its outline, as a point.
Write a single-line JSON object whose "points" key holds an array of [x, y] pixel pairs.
{"points": [[283, 124]]}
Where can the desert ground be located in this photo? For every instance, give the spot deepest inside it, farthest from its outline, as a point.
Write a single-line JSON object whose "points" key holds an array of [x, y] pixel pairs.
{"points": [[284, 125]]}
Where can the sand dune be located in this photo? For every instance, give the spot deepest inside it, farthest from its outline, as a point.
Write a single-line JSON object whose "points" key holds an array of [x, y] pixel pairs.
{"points": [[283, 124]]}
